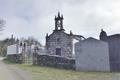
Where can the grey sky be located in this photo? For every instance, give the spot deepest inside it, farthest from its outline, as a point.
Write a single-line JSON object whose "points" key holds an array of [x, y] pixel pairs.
{"points": [[36, 17]]}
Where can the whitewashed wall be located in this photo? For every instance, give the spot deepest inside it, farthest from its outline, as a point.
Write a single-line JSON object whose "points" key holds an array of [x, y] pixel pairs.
{"points": [[12, 49], [92, 55], [17, 49]]}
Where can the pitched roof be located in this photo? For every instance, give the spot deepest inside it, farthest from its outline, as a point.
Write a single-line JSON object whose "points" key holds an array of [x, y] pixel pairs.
{"points": [[91, 39], [114, 36]]}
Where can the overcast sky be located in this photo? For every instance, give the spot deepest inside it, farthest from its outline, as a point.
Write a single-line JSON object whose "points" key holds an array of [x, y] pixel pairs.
{"points": [[36, 17]]}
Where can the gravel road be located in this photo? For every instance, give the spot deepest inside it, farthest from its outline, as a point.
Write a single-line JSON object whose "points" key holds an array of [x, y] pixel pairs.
{"points": [[8, 72]]}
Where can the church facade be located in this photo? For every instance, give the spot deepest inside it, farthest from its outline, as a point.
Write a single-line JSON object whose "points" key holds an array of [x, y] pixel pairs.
{"points": [[59, 43]]}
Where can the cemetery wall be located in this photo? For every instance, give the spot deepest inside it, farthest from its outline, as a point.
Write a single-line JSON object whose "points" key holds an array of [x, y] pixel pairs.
{"points": [[16, 58], [54, 61]]}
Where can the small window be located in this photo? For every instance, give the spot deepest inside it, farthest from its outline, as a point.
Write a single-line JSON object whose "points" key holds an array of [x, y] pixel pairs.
{"points": [[58, 51]]}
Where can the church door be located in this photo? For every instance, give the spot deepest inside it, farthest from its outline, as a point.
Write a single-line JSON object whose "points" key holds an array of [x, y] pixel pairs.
{"points": [[58, 51]]}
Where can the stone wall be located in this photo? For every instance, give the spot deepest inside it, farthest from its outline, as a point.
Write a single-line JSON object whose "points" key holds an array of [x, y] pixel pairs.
{"points": [[62, 40], [54, 61], [16, 58]]}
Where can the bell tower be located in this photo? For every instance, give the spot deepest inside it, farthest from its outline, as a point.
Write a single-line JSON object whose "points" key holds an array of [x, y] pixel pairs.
{"points": [[59, 22]]}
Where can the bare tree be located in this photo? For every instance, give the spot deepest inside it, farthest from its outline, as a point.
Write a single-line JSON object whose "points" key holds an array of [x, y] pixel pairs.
{"points": [[2, 45], [2, 25]]}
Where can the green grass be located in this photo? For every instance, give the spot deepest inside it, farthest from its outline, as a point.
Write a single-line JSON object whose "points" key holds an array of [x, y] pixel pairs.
{"points": [[46, 73], [8, 61]]}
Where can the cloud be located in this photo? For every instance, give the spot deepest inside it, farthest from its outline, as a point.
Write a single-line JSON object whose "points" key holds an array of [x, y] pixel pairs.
{"points": [[36, 17]]}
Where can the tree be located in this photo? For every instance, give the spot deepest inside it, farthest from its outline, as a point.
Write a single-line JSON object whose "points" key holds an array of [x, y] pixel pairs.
{"points": [[2, 24], [32, 40]]}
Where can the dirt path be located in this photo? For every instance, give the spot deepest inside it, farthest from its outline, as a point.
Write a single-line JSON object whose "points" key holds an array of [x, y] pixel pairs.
{"points": [[8, 72]]}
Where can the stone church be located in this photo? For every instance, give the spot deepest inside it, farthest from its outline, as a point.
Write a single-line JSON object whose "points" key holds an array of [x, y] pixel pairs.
{"points": [[59, 42]]}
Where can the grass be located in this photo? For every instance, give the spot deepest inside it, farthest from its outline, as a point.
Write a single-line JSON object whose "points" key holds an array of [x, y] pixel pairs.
{"points": [[47, 73], [8, 61]]}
